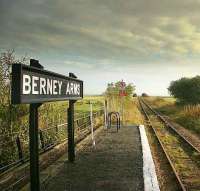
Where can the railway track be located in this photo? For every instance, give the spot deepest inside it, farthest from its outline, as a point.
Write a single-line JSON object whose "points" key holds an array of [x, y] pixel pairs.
{"points": [[181, 154]]}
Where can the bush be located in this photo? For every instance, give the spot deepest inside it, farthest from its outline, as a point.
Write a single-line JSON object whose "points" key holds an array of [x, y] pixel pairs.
{"points": [[186, 90], [144, 95]]}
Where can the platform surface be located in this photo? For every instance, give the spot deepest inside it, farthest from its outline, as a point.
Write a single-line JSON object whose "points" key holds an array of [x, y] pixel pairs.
{"points": [[114, 164]]}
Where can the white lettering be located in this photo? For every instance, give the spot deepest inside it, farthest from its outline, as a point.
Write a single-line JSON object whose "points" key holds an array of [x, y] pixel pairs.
{"points": [[34, 85], [42, 86], [26, 84], [59, 87], [71, 88], [49, 86], [54, 87], [68, 89], [76, 89], [46, 86]]}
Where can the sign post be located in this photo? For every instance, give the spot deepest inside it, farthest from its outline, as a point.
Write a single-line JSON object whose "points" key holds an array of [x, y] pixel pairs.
{"points": [[71, 146], [33, 85], [33, 139], [71, 142], [33, 147]]}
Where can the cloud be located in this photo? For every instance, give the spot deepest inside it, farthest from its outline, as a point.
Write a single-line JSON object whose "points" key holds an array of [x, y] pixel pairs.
{"points": [[111, 29], [105, 35]]}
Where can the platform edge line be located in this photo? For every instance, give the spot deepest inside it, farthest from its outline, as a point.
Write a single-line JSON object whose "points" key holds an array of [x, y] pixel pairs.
{"points": [[149, 172]]}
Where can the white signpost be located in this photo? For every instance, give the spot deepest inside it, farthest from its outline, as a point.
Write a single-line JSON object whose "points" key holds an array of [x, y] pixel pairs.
{"points": [[92, 127]]}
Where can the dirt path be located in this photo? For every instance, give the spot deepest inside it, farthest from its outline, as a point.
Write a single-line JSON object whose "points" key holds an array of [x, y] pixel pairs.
{"points": [[115, 164]]}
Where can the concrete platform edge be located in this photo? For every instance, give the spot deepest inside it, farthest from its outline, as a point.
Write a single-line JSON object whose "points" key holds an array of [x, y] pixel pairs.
{"points": [[149, 172]]}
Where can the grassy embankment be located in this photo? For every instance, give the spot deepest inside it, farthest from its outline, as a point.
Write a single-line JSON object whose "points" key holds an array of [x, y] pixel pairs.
{"points": [[185, 115]]}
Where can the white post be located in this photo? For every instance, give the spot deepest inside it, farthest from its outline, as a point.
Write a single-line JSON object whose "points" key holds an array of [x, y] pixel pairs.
{"points": [[92, 128], [105, 115]]}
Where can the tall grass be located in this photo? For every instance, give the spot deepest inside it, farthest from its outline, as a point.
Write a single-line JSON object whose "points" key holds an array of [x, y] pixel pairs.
{"points": [[191, 111], [186, 115]]}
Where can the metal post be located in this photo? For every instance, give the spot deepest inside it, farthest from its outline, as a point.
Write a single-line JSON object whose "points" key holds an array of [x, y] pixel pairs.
{"points": [[42, 140], [91, 121], [71, 146], [33, 146]]}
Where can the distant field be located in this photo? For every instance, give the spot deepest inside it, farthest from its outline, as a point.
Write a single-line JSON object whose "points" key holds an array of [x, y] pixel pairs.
{"points": [[84, 105], [186, 115]]}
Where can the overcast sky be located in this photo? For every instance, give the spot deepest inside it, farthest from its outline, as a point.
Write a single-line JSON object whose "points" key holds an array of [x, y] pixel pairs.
{"points": [[145, 42]]}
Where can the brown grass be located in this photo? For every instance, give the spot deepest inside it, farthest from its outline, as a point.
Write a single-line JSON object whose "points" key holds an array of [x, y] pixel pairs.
{"points": [[191, 111]]}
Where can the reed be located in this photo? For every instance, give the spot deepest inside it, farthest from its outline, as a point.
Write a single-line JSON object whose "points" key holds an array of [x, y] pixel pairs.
{"points": [[191, 111]]}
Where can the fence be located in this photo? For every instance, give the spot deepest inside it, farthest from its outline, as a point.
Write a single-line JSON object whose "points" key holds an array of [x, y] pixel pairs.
{"points": [[18, 146]]}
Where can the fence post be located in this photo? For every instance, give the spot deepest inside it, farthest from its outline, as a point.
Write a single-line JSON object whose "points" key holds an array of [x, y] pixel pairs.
{"points": [[91, 121], [19, 148], [42, 140]]}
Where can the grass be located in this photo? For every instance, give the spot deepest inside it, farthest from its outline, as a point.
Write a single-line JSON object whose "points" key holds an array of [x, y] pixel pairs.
{"points": [[132, 115], [186, 115]]}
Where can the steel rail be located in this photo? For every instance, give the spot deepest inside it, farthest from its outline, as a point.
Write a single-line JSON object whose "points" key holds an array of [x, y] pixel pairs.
{"points": [[178, 179], [159, 116]]}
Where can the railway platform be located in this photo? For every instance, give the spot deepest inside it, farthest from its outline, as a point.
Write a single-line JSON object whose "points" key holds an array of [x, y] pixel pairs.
{"points": [[119, 161], [115, 163]]}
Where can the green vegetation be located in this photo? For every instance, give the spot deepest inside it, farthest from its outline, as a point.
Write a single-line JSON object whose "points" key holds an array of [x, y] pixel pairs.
{"points": [[185, 115], [186, 90], [14, 119], [131, 113], [113, 97]]}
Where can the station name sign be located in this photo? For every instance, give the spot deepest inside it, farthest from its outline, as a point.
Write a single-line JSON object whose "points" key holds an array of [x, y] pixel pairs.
{"points": [[35, 85]]}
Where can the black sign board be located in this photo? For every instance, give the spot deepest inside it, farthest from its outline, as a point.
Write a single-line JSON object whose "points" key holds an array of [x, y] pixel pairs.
{"points": [[35, 85]]}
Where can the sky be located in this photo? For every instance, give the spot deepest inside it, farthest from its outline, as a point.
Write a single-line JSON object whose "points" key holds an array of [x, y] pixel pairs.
{"points": [[147, 43]]}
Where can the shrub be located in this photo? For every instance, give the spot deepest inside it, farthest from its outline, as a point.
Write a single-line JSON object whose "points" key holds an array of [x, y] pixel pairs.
{"points": [[145, 95], [186, 90]]}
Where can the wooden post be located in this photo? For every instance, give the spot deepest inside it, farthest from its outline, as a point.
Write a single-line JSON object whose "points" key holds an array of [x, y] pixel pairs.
{"points": [[33, 146], [33, 139], [71, 142], [71, 146]]}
